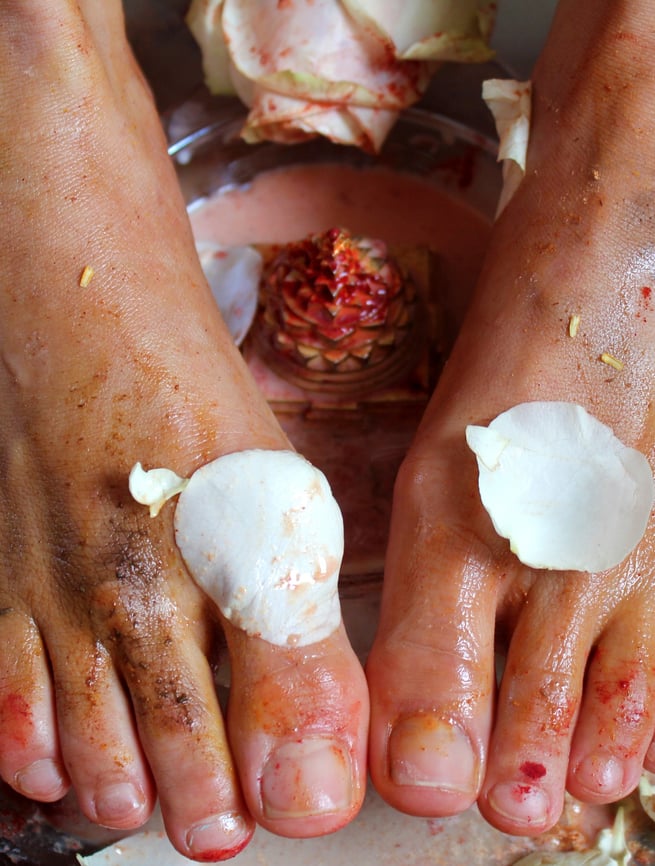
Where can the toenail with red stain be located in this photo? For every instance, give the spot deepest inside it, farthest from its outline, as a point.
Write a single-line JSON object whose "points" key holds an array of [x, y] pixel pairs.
{"points": [[218, 837], [522, 803]]}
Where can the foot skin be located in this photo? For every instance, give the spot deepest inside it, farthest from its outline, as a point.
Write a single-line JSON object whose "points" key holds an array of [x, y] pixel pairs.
{"points": [[106, 682], [574, 706]]}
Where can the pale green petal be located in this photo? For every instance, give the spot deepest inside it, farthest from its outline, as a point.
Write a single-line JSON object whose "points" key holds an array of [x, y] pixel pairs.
{"points": [[292, 120], [317, 52], [441, 30], [350, 66], [304, 85], [204, 22]]}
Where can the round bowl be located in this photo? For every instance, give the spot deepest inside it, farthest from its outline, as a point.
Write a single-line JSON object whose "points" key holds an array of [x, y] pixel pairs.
{"points": [[359, 437]]}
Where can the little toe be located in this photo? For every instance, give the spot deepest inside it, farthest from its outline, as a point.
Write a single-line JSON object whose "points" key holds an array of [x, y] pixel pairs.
{"points": [[430, 670], [616, 722], [30, 759], [538, 705], [298, 723]]}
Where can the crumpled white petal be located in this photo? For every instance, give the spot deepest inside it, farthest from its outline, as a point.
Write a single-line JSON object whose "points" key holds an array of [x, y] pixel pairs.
{"points": [[611, 849], [262, 534], [233, 274], [416, 30], [339, 69], [154, 487], [565, 491], [204, 21], [510, 103], [647, 793]]}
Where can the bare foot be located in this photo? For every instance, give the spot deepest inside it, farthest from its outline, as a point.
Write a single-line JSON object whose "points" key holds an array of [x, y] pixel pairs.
{"points": [[574, 707], [105, 675]]}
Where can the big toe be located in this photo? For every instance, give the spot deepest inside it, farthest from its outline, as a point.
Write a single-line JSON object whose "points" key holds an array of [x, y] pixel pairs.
{"points": [[431, 669], [298, 724]]}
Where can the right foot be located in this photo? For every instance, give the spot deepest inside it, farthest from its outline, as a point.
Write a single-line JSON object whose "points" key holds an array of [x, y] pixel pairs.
{"points": [[574, 708], [105, 675]]}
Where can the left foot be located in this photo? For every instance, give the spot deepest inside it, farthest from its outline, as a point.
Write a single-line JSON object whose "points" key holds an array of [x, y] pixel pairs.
{"points": [[106, 680]]}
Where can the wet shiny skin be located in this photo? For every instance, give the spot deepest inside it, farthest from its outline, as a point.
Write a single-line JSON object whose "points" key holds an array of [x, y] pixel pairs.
{"points": [[577, 239], [105, 675]]}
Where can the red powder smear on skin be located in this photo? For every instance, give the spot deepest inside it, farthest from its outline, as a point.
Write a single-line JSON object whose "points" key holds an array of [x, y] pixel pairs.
{"points": [[219, 856], [647, 292], [561, 717], [605, 692], [15, 709], [520, 792], [608, 691], [533, 770], [16, 718]]}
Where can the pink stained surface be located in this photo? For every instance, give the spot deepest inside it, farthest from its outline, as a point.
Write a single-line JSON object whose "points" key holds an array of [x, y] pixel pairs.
{"points": [[358, 445], [284, 205]]}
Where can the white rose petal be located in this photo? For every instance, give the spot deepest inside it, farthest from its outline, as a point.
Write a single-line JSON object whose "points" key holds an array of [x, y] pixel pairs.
{"points": [[561, 486], [510, 103], [339, 69], [418, 30], [204, 22], [647, 794], [233, 274], [262, 534], [154, 487], [611, 849]]}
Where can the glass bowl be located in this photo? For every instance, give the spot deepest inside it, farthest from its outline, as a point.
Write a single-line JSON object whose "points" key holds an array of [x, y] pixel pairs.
{"points": [[457, 158], [358, 435]]}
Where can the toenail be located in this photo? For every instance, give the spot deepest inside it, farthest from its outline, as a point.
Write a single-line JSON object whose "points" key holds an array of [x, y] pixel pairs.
{"points": [[600, 773], [218, 837], [117, 803], [427, 751], [44, 779], [307, 777], [521, 803]]}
